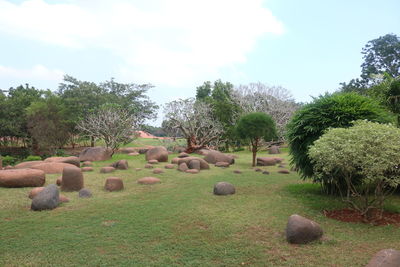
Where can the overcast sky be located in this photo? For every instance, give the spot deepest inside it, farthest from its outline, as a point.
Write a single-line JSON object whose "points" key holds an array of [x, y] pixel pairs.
{"points": [[308, 46]]}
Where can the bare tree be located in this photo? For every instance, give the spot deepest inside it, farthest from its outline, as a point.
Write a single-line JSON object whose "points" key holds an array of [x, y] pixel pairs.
{"points": [[196, 122], [276, 101], [114, 126]]}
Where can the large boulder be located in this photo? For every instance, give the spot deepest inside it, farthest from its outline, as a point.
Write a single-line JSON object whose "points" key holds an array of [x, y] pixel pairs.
{"points": [[95, 154], [266, 161], [114, 184], [120, 164], [28, 164], [183, 167], [47, 199], [127, 150], [52, 167], [300, 230], [159, 153], [148, 180], [194, 164], [72, 179], [274, 150], [224, 188], [71, 160], [214, 156], [203, 164], [22, 178], [385, 258]]}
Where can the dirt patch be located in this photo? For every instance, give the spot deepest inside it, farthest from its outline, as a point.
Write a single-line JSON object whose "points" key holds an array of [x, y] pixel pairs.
{"points": [[354, 216]]}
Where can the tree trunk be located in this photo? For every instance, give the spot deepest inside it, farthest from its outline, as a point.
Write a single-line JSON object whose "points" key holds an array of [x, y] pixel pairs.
{"points": [[254, 157], [92, 141]]}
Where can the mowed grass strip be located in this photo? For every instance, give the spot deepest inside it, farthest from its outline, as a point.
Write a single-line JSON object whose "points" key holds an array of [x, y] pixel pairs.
{"points": [[179, 222]]}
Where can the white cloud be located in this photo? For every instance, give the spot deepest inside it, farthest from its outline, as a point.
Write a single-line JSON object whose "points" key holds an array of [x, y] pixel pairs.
{"points": [[37, 72], [171, 42]]}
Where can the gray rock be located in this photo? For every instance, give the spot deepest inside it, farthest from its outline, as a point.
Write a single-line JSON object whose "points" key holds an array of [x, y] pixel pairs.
{"points": [[95, 154], [194, 164], [47, 199], [85, 193], [300, 230], [203, 164], [183, 167], [224, 188], [385, 258]]}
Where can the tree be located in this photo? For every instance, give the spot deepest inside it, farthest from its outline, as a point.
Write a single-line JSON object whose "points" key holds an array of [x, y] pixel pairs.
{"points": [[256, 127], [48, 122], [195, 121], [381, 55], [275, 101], [113, 126], [328, 111], [365, 158]]}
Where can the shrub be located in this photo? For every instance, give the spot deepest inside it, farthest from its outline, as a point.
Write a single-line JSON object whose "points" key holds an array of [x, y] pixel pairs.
{"points": [[9, 160], [256, 127], [365, 157], [32, 158], [313, 119]]}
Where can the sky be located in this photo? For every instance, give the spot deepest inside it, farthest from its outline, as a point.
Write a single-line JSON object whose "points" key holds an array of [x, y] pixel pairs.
{"points": [[305, 46]]}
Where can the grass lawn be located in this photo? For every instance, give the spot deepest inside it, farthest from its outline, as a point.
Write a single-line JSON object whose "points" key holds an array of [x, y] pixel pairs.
{"points": [[181, 223]]}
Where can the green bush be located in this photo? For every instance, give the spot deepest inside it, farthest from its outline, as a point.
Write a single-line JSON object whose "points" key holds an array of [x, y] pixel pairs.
{"points": [[331, 110], [32, 158], [365, 158], [9, 160]]}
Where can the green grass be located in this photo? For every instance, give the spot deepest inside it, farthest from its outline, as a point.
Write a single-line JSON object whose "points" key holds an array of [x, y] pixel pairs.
{"points": [[181, 223]]}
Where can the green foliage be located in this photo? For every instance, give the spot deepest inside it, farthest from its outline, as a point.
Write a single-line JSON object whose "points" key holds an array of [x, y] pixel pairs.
{"points": [[9, 160], [32, 158], [256, 127], [364, 157], [327, 111]]}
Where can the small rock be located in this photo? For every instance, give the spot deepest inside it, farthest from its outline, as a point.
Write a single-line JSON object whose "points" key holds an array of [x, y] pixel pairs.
{"points": [[87, 164], [300, 230], [183, 167], [274, 150], [175, 160], [47, 199], [281, 166], [85, 193], [153, 161], [63, 199], [385, 258], [58, 181], [265, 172], [170, 166], [258, 170], [148, 180], [87, 169], [158, 171], [8, 167], [194, 164], [148, 166], [120, 164], [114, 184], [107, 169], [224, 188], [237, 171], [183, 155], [138, 169], [33, 193], [133, 154], [222, 164], [192, 171], [284, 171]]}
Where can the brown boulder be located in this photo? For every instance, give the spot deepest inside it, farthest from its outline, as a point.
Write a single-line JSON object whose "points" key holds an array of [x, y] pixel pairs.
{"points": [[265, 161], [95, 154], [203, 164], [28, 164], [107, 169], [385, 258], [87, 164], [183, 167], [71, 160], [87, 169], [158, 171], [120, 164], [284, 171], [72, 179], [169, 166], [148, 180], [35, 191], [274, 150], [192, 171], [214, 156], [52, 167], [22, 178], [194, 164], [159, 153], [114, 184]]}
